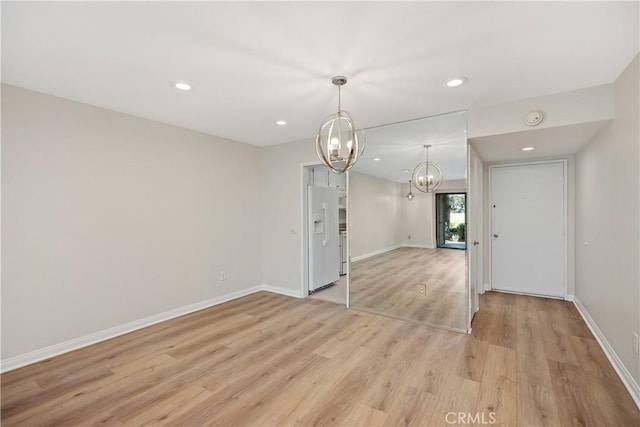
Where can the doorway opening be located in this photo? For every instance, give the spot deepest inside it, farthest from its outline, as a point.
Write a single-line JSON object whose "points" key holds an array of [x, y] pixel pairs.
{"points": [[451, 220], [325, 264]]}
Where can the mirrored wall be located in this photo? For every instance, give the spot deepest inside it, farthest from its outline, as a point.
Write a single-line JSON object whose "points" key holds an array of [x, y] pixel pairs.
{"points": [[408, 239]]}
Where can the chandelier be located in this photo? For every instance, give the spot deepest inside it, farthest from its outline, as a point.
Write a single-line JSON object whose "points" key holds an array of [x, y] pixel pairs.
{"points": [[339, 142], [410, 195], [427, 176]]}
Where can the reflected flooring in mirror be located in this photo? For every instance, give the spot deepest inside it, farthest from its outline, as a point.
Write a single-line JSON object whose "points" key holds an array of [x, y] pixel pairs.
{"points": [[336, 293], [423, 285]]}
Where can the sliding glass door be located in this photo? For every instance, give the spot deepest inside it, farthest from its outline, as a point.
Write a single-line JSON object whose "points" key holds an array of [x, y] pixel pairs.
{"points": [[451, 221]]}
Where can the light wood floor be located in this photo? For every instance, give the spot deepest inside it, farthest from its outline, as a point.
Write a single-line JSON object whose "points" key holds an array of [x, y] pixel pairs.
{"points": [[388, 284], [336, 293], [267, 360]]}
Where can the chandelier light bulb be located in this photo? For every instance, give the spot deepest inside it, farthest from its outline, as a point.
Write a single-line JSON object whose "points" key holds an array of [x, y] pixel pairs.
{"points": [[410, 195], [427, 176], [339, 142]]}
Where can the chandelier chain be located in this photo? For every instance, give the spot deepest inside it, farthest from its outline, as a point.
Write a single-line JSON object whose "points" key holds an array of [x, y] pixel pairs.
{"points": [[427, 172], [426, 169]]}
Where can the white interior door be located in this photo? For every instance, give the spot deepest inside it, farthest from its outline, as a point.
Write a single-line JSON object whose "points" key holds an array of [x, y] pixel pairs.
{"points": [[528, 228]]}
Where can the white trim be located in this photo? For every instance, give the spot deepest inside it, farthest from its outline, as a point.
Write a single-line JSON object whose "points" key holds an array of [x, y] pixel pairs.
{"points": [[475, 227], [348, 276], [487, 287], [452, 190], [407, 245], [372, 254], [282, 291], [570, 298], [621, 370], [531, 294], [96, 337], [304, 254]]}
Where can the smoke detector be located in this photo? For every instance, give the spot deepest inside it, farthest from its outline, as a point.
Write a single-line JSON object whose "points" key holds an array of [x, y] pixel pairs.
{"points": [[533, 118]]}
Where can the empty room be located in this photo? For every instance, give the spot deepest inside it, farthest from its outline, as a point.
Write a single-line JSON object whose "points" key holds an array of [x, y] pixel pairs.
{"points": [[356, 213]]}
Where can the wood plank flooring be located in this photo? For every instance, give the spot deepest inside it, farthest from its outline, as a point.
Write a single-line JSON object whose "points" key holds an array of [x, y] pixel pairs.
{"points": [[271, 360], [336, 293], [387, 284]]}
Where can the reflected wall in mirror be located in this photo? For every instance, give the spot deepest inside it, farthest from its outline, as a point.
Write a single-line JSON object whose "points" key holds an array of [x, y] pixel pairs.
{"points": [[397, 268]]}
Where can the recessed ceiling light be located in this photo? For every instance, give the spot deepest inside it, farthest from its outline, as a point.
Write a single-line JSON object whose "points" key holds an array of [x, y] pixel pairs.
{"points": [[406, 171], [528, 149], [281, 122], [376, 159], [182, 85], [457, 81]]}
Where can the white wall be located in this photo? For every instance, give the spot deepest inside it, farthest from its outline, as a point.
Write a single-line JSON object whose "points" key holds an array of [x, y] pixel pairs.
{"points": [[372, 202], [282, 199], [453, 186], [417, 219], [375, 214], [109, 218], [607, 217], [561, 109]]}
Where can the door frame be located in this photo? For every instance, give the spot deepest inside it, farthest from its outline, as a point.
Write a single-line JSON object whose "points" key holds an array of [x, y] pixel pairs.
{"points": [[304, 223], [475, 229], [466, 216], [565, 203]]}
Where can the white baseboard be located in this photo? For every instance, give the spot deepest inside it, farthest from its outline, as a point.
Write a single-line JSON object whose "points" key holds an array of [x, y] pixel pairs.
{"points": [[281, 291], [570, 298], [409, 245], [487, 287], [96, 337], [371, 254], [392, 248], [621, 370]]}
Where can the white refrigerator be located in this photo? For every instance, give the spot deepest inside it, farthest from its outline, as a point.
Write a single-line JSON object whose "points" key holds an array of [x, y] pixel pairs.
{"points": [[324, 250]]}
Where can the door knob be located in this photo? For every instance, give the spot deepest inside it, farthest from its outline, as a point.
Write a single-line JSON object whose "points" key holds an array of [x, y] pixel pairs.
{"points": [[495, 236], [476, 243]]}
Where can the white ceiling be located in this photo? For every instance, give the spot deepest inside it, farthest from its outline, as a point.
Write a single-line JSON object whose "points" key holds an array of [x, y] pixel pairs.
{"points": [[401, 146], [549, 142], [251, 63]]}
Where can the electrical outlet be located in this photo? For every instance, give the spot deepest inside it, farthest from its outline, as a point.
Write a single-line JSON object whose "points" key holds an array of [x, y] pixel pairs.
{"points": [[636, 344], [421, 290], [223, 275]]}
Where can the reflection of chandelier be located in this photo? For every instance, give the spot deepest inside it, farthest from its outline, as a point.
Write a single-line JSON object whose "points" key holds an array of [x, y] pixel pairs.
{"points": [[410, 195], [427, 176], [339, 142]]}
